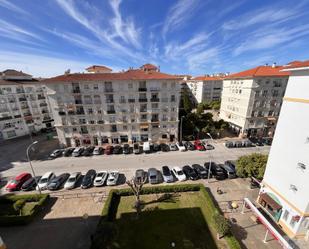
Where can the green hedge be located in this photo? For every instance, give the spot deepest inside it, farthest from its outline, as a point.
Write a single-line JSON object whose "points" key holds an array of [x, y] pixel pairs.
{"points": [[9, 220]]}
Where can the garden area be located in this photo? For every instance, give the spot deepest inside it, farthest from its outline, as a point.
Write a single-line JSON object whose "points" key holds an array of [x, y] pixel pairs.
{"points": [[20, 209], [180, 216]]}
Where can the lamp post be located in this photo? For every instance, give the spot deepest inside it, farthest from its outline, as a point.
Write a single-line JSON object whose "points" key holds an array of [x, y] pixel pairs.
{"points": [[181, 118], [210, 164], [28, 149]]}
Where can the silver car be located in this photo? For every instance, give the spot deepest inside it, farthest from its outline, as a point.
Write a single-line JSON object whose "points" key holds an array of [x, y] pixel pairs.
{"points": [[153, 176], [72, 180], [112, 178]]}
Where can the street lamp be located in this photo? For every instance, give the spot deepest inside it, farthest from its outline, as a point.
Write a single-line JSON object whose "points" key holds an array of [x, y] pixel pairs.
{"points": [[181, 118], [210, 164], [28, 149]]}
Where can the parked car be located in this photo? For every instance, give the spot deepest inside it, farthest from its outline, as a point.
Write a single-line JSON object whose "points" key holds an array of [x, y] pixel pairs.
{"points": [[18, 181], [229, 144], [267, 140], [229, 171], [153, 176], [77, 151], [257, 141], [126, 149], [189, 145], [100, 178], [200, 170], [112, 179], [68, 152], [98, 151], [108, 150], [45, 180], [136, 149], [231, 164], [254, 183], [58, 181], [88, 151], [173, 147], [88, 179], [198, 145], [167, 174], [140, 175], [209, 147], [164, 147], [179, 174], [56, 153], [146, 147], [247, 143], [30, 184], [217, 171], [181, 146], [238, 144], [156, 147], [117, 150], [207, 168], [190, 173], [72, 180]]}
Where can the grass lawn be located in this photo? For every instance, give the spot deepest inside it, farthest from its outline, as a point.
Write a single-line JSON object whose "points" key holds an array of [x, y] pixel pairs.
{"points": [[181, 219]]}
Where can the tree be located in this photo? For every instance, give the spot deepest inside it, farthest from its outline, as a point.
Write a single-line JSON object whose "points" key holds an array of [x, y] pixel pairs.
{"points": [[136, 184], [187, 104], [18, 205], [215, 105], [251, 165], [223, 226]]}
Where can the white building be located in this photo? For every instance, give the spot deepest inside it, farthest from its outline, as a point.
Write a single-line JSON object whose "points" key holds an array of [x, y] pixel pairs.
{"points": [[251, 100], [23, 105], [97, 108], [285, 191], [206, 88]]}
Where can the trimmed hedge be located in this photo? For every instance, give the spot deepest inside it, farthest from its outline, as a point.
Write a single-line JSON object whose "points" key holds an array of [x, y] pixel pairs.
{"points": [[9, 220]]}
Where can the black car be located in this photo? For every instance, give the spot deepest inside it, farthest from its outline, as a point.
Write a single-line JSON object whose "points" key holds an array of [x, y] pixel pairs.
{"points": [[216, 171], [167, 174], [200, 170], [267, 140], [164, 147], [88, 179], [58, 181], [229, 171], [189, 145], [140, 175], [231, 164], [30, 184], [257, 141], [189, 172], [156, 147], [117, 149], [229, 144], [68, 152], [126, 149], [88, 151]]}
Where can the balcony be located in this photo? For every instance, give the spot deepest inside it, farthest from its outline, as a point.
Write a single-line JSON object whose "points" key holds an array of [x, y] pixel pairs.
{"points": [[22, 99], [155, 100], [41, 97], [154, 120], [17, 116], [24, 107], [142, 100], [5, 118], [71, 113], [80, 113], [43, 104], [154, 89], [143, 110], [142, 89], [109, 101], [108, 90], [122, 101], [111, 112], [155, 110], [131, 100], [76, 90], [61, 113], [100, 122], [78, 102]]}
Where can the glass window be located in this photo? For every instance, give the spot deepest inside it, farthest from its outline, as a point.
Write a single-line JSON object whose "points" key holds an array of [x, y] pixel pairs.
{"points": [[286, 215]]}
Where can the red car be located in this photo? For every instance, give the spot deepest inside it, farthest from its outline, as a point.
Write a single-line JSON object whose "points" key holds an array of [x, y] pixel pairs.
{"points": [[18, 181], [198, 145], [109, 150]]}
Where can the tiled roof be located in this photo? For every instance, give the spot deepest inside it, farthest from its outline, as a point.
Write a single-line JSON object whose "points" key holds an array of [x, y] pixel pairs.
{"points": [[12, 72], [260, 71], [98, 67], [207, 78], [18, 82], [296, 64], [149, 66], [133, 74]]}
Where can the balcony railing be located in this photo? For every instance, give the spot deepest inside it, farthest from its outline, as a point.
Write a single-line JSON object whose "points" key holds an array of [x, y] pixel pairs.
{"points": [[154, 89], [61, 113], [142, 100], [109, 101], [155, 100], [78, 102], [5, 118], [111, 112], [131, 100], [71, 113], [43, 104], [22, 99], [76, 90], [108, 90], [142, 89], [41, 97], [154, 120], [100, 121], [143, 110]]}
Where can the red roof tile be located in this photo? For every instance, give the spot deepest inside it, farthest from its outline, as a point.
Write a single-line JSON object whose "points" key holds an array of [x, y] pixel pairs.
{"points": [[296, 64], [207, 78], [133, 74], [260, 71], [13, 72], [149, 66], [98, 67]]}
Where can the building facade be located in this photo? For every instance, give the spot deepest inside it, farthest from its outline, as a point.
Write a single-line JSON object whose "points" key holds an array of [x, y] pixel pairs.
{"points": [[24, 108], [285, 187], [251, 100], [206, 88], [130, 106]]}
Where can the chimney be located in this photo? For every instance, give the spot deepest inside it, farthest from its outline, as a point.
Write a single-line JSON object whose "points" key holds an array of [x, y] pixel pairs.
{"points": [[67, 72], [273, 65], [266, 64]]}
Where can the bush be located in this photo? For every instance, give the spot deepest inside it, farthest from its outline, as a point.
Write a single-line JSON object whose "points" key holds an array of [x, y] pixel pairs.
{"points": [[18, 205], [223, 226], [251, 165]]}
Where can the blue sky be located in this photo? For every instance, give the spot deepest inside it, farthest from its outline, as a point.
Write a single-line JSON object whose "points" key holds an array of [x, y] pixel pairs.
{"points": [[194, 37]]}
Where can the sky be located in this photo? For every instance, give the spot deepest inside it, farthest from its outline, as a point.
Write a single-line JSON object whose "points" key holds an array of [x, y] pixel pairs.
{"points": [[196, 37]]}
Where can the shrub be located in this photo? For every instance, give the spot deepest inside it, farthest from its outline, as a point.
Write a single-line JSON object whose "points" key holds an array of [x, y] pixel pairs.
{"points": [[223, 226], [251, 165], [18, 205]]}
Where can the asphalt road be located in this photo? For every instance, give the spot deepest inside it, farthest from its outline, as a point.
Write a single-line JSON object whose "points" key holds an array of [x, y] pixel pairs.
{"points": [[127, 164]]}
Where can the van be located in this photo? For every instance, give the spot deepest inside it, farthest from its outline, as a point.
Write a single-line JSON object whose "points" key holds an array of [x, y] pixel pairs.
{"points": [[146, 147]]}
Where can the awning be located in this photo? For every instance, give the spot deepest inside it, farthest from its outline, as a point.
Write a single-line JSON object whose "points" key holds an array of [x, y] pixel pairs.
{"points": [[270, 201]]}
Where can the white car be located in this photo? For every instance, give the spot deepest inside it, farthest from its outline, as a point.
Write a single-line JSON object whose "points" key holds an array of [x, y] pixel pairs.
{"points": [[100, 178], [112, 178], [45, 180], [72, 180], [181, 146], [173, 147], [97, 151], [178, 173]]}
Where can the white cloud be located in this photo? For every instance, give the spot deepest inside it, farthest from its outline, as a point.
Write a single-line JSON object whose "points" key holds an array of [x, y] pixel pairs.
{"points": [[10, 6], [199, 60], [179, 14]]}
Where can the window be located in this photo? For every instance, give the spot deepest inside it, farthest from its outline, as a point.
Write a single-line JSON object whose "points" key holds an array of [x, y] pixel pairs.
{"points": [[173, 85], [90, 111], [125, 128], [86, 87], [164, 85], [11, 134], [293, 222], [95, 87], [173, 98], [286, 215], [265, 93], [130, 85]]}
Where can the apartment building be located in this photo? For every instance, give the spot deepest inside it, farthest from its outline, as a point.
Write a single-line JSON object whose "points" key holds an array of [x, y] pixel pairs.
{"points": [[251, 100], [23, 105], [285, 187], [129, 106], [206, 88]]}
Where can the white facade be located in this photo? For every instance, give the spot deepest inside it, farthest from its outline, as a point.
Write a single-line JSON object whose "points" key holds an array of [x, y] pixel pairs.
{"points": [[286, 178], [23, 106], [114, 111], [252, 105], [206, 90]]}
